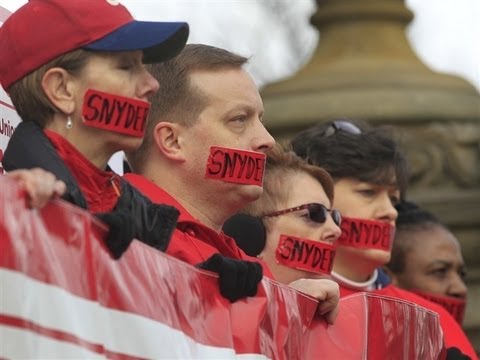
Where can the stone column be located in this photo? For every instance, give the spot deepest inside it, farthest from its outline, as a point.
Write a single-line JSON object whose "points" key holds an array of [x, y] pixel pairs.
{"points": [[365, 68]]}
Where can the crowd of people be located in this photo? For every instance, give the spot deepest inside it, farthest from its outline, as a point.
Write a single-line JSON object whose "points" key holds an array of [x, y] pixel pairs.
{"points": [[209, 185]]}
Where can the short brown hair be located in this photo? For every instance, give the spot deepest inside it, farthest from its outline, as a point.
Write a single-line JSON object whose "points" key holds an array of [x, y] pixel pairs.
{"points": [[28, 96], [177, 100], [372, 155], [280, 164]]}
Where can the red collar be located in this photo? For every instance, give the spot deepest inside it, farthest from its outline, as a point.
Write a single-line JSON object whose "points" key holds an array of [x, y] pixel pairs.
{"points": [[158, 195], [186, 222], [218, 242], [100, 188]]}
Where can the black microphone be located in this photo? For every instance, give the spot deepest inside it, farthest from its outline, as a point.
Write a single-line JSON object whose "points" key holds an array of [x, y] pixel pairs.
{"points": [[248, 232]]}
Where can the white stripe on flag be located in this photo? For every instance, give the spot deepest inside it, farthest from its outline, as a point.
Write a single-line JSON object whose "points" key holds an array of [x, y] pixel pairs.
{"points": [[50, 306], [120, 332], [19, 343]]}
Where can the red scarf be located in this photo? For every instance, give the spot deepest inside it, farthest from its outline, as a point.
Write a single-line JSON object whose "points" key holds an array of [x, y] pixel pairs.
{"points": [[100, 188]]}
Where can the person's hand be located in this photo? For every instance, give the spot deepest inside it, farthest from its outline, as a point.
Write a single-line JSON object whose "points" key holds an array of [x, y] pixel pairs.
{"points": [[326, 291], [40, 185], [453, 353], [121, 231], [237, 278]]}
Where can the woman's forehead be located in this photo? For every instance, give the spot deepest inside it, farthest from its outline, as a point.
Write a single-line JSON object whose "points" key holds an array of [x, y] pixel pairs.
{"points": [[386, 177]]}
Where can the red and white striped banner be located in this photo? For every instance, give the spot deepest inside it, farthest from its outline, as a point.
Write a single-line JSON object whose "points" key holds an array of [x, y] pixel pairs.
{"points": [[63, 296]]}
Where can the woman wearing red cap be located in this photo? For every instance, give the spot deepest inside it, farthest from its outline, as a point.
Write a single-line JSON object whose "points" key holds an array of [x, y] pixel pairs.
{"points": [[74, 71]]}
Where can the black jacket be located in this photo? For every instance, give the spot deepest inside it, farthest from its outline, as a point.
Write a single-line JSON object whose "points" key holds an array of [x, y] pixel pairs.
{"points": [[151, 223]]}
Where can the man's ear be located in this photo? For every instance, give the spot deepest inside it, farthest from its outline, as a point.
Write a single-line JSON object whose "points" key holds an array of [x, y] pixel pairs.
{"points": [[59, 88], [165, 136]]}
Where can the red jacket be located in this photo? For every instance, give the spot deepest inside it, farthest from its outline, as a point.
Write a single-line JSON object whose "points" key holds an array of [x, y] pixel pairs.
{"points": [[192, 241], [452, 332]]}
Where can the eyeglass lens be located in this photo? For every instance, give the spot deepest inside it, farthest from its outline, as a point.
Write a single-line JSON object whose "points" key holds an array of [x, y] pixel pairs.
{"points": [[319, 213]]}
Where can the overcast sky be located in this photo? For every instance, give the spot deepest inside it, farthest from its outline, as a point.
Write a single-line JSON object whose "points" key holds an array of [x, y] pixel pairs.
{"points": [[445, 33]]}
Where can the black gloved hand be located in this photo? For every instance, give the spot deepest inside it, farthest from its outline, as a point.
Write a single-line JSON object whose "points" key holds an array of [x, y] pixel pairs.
{"points": [[121, 231], [454, 353], [237, 278], [158, 225]]}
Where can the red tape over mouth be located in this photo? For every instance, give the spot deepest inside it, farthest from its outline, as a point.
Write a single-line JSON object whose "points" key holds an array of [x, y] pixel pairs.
{"points": [[303, 254], [366, 234], [236, 166], [115, 113], [455, 306]]}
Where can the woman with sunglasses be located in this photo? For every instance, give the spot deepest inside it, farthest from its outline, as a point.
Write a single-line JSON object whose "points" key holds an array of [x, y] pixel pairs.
{"points": [[291, 226], [370, 177]]}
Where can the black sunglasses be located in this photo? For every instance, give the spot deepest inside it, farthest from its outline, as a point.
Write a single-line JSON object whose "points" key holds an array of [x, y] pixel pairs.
{"points": [[342, 125], [316, 212]]}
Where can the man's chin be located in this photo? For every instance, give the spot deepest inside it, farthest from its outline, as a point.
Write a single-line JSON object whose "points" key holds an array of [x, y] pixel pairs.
{"points": [[380, 257], [252, 192]]}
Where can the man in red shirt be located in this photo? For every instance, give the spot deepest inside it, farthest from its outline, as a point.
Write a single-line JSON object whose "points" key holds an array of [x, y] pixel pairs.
{"points": [[204, 153], [206, 98]]}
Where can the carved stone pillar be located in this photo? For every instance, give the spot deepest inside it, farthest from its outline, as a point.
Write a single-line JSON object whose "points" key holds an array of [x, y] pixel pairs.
{"points": [[365, 68]]}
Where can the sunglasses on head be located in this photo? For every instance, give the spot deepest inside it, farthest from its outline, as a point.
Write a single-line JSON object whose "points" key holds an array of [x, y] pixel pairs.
{"points": [[316, 212], [342, 125]]}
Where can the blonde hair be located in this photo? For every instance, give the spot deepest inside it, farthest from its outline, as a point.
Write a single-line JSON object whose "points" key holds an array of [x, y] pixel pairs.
{"points": [[27, 94], [280, 164]]}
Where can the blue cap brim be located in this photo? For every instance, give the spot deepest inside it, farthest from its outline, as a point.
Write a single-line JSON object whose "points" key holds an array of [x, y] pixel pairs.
{"points": [[159, 41]]}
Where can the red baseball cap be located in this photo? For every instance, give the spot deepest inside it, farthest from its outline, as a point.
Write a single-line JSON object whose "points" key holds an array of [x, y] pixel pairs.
{"points": [[42, 30]]}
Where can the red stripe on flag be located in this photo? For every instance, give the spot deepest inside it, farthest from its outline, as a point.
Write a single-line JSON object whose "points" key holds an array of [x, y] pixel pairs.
{"points": [[61, 336], [3, 103]]}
